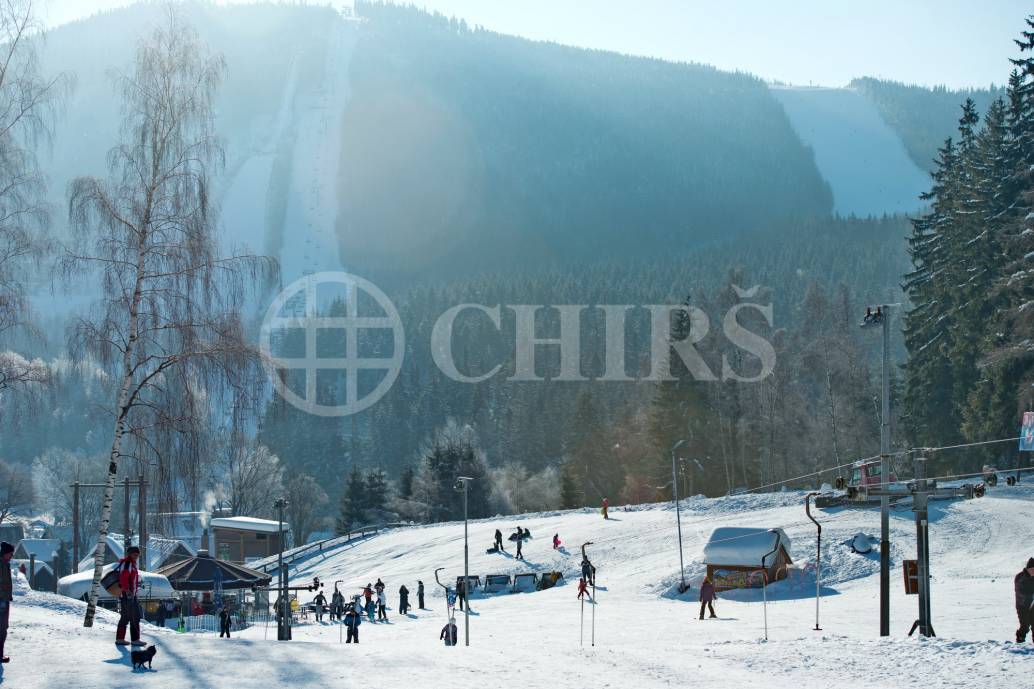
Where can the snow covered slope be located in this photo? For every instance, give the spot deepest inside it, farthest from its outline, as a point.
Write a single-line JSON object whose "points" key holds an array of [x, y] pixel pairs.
{"points": [[859, 155], [646, 636]]}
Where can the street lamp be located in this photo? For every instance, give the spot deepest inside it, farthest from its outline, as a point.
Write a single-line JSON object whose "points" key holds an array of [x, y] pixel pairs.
{"points": [[881, 318], [283, 626], [465, 481], [678, 515]]}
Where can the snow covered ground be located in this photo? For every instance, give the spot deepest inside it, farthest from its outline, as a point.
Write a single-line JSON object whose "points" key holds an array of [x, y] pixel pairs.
{"points": [[646, 636]]}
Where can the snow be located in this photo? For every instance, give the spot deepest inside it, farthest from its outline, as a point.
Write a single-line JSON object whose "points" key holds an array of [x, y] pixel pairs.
{"points": [[744, 547], [249, 524], [647, 635]]}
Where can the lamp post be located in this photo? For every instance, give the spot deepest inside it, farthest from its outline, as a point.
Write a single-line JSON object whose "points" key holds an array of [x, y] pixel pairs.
{"points": [[882, 318], [465, 481], [283, 626], [678, 515]]}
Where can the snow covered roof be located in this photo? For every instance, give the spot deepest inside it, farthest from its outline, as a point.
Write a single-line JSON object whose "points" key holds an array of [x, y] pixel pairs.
{"points": [[45, 549], [158, 549], [152, 585], [743, 546], [248, 524], [41, 566]]}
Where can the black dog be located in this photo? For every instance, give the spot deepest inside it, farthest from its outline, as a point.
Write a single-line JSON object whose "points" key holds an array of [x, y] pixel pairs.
{"points": [[144, 656]]}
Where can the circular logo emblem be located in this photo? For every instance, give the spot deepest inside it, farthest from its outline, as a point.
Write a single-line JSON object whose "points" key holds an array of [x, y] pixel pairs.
{"points": [[314, 329]]}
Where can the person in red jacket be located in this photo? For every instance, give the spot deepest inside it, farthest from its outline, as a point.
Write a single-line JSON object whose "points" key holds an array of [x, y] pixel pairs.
{"points": [[583, 589], [606, 508], [129, 606]]}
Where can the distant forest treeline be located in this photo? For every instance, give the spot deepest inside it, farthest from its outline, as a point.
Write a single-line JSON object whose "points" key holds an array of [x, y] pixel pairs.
{"points": [[469, 151]]}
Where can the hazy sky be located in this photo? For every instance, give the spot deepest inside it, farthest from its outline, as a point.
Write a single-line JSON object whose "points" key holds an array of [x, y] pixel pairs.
{"points": [[825, 42]]}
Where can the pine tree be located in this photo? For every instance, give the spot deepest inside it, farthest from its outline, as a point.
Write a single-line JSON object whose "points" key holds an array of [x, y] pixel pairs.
{"points": [[353, 502]]}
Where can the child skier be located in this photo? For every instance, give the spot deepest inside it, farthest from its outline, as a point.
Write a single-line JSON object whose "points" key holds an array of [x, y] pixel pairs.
{"points": [[556, 541], [583, 589]]}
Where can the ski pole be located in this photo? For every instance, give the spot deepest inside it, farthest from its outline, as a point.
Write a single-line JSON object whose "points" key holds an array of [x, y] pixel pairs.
{"points": [[581, 630]]}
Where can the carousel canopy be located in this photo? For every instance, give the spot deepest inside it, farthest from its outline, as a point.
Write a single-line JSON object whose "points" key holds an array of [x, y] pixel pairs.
{"points": [[204, 573]]}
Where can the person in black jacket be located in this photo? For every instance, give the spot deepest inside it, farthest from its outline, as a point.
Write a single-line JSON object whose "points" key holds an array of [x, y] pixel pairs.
{"points": [[352, 621], [403, 600], [1024, 586], [225, 620], [499, 540], [420, 594]]}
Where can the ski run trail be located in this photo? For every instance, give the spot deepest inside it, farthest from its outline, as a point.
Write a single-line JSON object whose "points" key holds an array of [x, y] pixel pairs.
{"points": [[645, 635]]}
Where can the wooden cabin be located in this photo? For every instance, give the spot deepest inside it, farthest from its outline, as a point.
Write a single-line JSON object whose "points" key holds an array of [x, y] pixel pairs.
{"points": [[746, 557]]}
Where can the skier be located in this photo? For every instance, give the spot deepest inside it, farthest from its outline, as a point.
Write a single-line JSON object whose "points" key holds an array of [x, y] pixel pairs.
{"points": [[6, 594], [583, 589], [371, 610], [520, 555], [352, 621], [449, 633], [225, 620], [382, 606], [403, 600], [461, 593], [556, 541], [707, 596], [499, 540], [129, 606], [420, 594], [1024, 586], [588, 571], [379, 586], [320, 601], [368, 594], [606, 507], [337, 605]]}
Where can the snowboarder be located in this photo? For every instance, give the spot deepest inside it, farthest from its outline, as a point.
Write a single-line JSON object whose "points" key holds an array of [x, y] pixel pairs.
{"points": [[225, 621], [129, 605], [1024, 586], [707, 596], [556, 541], [449, 633], [352, 621], [499, 540], [606, 507], [420, 594], [320, 602], [6, 594], [403, 600], [520, 555], [583, 589], [382, 606]]}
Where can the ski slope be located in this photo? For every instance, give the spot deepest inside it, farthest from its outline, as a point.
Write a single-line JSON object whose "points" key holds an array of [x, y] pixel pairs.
{"points": [[646, 636]]}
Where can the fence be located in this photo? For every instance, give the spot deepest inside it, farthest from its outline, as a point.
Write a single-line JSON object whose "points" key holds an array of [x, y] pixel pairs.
{"points": [[291, 556]]}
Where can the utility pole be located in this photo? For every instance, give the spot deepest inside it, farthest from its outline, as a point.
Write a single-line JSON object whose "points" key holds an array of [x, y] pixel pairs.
{"points": [[283, 626], [921, 491], [465, 481], [882, 318], [920, 505], [75, 527], [678, 517]]}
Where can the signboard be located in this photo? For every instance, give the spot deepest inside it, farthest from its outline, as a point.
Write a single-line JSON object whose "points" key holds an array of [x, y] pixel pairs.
{"points": [[1027, 432], [732, 579], [911, 569]]}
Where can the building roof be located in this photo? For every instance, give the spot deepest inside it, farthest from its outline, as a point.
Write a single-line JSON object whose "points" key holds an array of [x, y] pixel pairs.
{"points": [[248, 524], [41, 566], [744, 546], [43, 548], [158, 549]]}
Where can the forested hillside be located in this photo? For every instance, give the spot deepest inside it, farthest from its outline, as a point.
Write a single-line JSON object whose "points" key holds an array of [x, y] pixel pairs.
{"points": [[921, 116], [467, 150]]}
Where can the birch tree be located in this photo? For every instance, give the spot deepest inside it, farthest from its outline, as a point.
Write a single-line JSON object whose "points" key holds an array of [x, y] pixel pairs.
{"points": [[168, 327], [27, 103]]}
